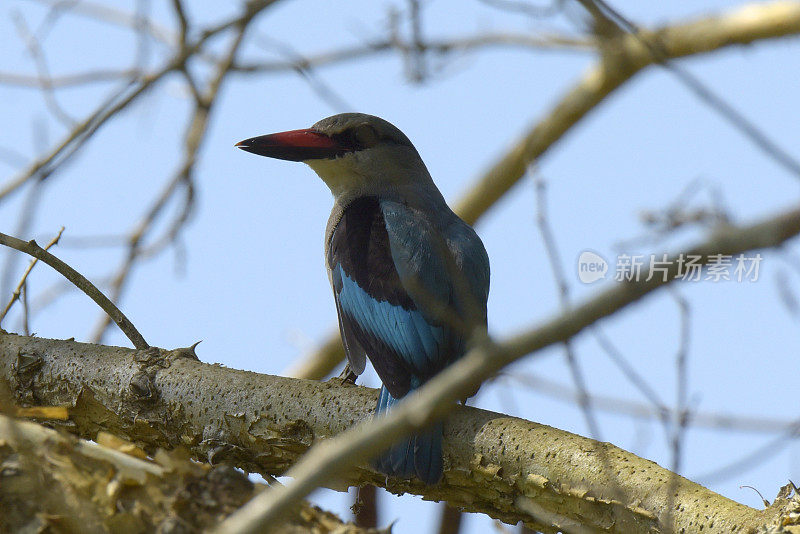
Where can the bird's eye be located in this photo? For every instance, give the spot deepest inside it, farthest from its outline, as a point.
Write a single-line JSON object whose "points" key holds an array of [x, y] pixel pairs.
{"points": [[366, 136]]}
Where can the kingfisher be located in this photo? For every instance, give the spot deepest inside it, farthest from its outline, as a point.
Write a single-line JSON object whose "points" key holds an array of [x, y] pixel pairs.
{"points": [[410, 279]]}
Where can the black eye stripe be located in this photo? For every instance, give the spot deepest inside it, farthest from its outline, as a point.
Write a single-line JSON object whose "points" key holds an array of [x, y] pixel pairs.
{"points": [[349, 140]]}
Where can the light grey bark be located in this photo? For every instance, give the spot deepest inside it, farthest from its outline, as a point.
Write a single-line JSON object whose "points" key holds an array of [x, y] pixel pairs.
{"points": [[508, 468]]}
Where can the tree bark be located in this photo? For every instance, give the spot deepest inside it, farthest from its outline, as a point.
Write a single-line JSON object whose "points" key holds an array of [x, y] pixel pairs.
{"points": [[508, 468], [52, 482]]}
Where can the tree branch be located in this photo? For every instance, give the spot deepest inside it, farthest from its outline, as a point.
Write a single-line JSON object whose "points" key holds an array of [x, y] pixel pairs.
{"points": [[624, 57], [15, 295], [52, 481], [508, 468], [81, 282], [436, 397], [195, 134]]}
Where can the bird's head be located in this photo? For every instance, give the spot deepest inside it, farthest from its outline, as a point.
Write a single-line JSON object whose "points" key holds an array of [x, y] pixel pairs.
{"points": [[353, 153]]}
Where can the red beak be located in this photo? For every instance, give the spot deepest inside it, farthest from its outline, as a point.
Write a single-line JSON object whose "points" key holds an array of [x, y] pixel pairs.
{"points": [[294, 145]]}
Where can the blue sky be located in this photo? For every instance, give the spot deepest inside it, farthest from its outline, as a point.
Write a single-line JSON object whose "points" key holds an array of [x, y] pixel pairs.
{"points": [[248, 277]]}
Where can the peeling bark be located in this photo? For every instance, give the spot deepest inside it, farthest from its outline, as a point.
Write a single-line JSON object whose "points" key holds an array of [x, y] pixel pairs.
{"points": [[54, 482]]}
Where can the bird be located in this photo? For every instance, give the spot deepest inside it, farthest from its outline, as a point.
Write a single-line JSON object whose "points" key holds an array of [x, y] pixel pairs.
{"points": [[410, 278]]}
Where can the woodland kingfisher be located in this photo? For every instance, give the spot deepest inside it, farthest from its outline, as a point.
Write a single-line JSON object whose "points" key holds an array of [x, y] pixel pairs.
{"points": [[410, 278]]}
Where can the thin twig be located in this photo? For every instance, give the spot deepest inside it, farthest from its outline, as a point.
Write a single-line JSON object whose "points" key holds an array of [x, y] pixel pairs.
{"points": [[741, 26], [680, 423], [682, 380], [69, 80], [646, 411], [37, 54], [195, 134], [81, 283], [183, 21], [323, 90], [77, 137], [759, 455], [604, 12], [557, 270], [438, 47], [27, 214], [116, 17], [630, 373], [16, 293]]}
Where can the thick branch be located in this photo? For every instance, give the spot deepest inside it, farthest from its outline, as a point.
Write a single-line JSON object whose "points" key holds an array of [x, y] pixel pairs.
{"points": [[433, 400], [53, 482], [506, 467]]}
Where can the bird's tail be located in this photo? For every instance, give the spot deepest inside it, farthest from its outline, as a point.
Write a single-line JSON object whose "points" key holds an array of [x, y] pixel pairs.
{"points": [[420, 454]]}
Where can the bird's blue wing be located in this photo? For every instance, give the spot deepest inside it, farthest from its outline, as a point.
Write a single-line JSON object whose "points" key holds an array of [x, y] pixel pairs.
{"points": [[356, 357], [409, 288], [390, 278], [374, 305], [444, 267]]}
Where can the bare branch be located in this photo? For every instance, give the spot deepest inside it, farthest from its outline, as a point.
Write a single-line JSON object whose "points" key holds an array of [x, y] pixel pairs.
{"points": [[15, 294], [738, 27], [608, 16], [640, 410], [69, 80], [264, 424], [682, 381], [435, 398], [27, 215], [325, 92], [110, 15], [630, 373], [196, 132], [742, 26], [752, 458], [37, 54], [75, 139], [442, 47], [81, 283], [557, 269], [183, 22]]}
